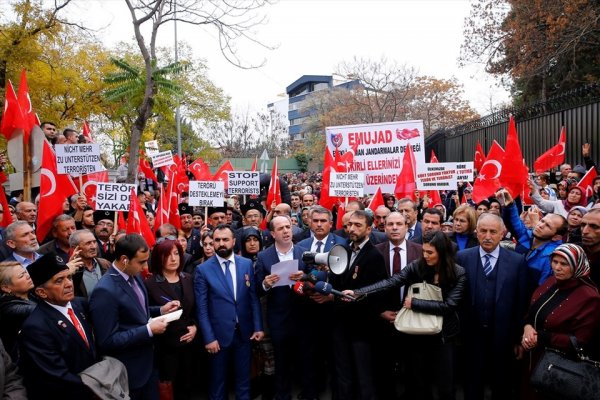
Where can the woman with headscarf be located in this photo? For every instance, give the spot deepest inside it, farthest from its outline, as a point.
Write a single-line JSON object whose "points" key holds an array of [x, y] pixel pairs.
{"points": [[574, 218], [251, 243], [575, 197], [564, 305]]}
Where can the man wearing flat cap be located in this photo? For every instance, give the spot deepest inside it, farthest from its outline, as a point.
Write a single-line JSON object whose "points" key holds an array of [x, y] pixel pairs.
{"points": [[56, 339], [105, 225]]}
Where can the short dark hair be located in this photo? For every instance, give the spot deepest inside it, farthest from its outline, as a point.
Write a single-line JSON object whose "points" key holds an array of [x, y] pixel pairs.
{"points": [[129, 245], [445, 249], [224, 227], [69, 132], [271, 225], [362, 214], [563, 228], [47, 123], [434, 211]]}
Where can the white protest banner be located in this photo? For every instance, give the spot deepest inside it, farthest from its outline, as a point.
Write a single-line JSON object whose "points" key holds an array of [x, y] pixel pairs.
{"points": [[78, 159], [207, 193], [243, 182], [436, 176], [464, 171], [113, 196], [380, 149], [151, 147], [347, 184], [161, 159]]}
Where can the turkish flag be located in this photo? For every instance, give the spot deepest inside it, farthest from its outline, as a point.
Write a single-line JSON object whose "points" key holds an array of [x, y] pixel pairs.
{"points": [[487, 182], [137, 222], [89, 185], [341, 210], [434, 195], [587, 182], [274, 194], [145, 168], [54, 189], [221, 174], [377, 200], [121, 224], [464, 198], [29, 117], [554, 156], [405, 184], [479, 157], [87, 132], [6, 217], [328, 167], [254, 164], [12, 118], [514, 174], [201, 170]]}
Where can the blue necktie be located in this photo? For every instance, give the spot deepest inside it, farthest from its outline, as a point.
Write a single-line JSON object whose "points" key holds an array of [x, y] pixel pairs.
{"points": [[319, 244], [487, 265], [228, 276], [411, 233]]}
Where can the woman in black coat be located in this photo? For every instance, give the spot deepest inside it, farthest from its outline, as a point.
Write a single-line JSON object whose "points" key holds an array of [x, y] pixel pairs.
{"points": [[431, 358], [15, 304], [174, 351]]}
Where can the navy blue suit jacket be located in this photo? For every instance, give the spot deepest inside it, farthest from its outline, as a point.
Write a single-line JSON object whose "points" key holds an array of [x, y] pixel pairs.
{"points": [[217, 308], [417, 234], [511, 295], [282, 303], [53, 353], [332, 240], [120, 325]]}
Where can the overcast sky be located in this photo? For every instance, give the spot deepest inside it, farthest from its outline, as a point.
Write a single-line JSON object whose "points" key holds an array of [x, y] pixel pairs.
{"points": [[311, 37]]}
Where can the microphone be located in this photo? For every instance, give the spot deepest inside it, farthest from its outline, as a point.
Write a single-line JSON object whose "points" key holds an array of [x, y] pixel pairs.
{"points": [[314, 276], [303, 288], [326, 289]]}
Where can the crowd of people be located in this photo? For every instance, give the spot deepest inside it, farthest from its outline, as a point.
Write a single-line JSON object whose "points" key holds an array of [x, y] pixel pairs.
{"points": [[89, 304]]}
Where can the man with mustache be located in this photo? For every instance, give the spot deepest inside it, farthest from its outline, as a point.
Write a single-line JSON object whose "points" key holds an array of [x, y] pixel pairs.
{"points": [[228, 314], [496, 301], [56, 339], [103, 231]]}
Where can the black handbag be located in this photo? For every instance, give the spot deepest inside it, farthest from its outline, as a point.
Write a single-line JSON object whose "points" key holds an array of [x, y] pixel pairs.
{"points": [[557, 376]]}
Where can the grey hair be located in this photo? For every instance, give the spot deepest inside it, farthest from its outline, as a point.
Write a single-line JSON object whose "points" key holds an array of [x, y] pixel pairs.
{"points": [[10, 232], [61, 218], [75, 237], [491, 216], [320, 210]]}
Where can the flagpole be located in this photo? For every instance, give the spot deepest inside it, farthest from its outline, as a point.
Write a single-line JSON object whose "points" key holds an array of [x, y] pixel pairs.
{"points": [[26, 169]]}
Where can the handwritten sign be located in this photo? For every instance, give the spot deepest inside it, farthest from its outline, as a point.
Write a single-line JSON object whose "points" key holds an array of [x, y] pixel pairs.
{"points": [[207, 193], [78, 159]]}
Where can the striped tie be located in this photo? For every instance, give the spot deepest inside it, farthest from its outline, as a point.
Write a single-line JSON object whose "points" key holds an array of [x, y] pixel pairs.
{"points": [[487, 266]]}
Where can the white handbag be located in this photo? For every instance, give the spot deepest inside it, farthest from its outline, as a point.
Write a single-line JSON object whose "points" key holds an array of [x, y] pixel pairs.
{"points": [[418, 323]]}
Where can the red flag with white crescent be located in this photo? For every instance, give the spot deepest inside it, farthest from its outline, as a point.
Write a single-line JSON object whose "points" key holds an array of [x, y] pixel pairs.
{"points": [[479, 157], [487, 181], [554, 156], [587, 182], [29, 117], [12, 118], [137, 222]]}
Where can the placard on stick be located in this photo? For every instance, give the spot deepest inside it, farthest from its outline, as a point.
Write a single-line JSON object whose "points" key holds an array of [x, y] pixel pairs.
{"points": [[207, 193], [464, 171], [243, 182], [161, 159], [113, 196], [436, 176], [78, 159], [151, 147], [347, 184]]}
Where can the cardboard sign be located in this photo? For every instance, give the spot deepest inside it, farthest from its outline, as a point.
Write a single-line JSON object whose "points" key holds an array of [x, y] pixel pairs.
{"points": [[243, 182], [379, 149], [161, 159], [151, 147], [207, 193], [347, 184], [78, 159], [113, 196], [464, 171], [436, 176]]}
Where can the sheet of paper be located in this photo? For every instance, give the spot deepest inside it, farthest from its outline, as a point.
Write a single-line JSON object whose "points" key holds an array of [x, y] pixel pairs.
{"points": [[284, 269], [172, 316]]}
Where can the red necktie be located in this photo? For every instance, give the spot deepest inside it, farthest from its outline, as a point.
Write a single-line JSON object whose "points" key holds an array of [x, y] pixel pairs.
{"points": [[104, 248], [77, 325], [396, 260]]}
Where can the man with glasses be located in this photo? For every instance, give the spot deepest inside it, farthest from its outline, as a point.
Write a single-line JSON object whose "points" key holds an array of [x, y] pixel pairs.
{"points": [[103, 231]]}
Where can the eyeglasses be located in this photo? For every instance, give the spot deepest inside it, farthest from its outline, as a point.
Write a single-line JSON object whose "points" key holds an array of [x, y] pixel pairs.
{"points": [[162, 239]]}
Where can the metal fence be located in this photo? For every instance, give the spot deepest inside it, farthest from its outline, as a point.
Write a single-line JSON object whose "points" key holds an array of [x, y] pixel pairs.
{"points": [[538, 127]]}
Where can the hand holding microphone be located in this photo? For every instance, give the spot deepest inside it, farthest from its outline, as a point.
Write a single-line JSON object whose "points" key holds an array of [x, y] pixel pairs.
{"points": [[326, 289]]}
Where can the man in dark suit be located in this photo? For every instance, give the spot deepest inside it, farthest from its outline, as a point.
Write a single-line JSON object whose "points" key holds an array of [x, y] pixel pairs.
{"points": [[408, 208], [229, 314], [375, 237], [56, 339], [320, 239], [397, 253], [353, 322], [104, 228], [119, 309], [283, 305], [496, 303]]}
